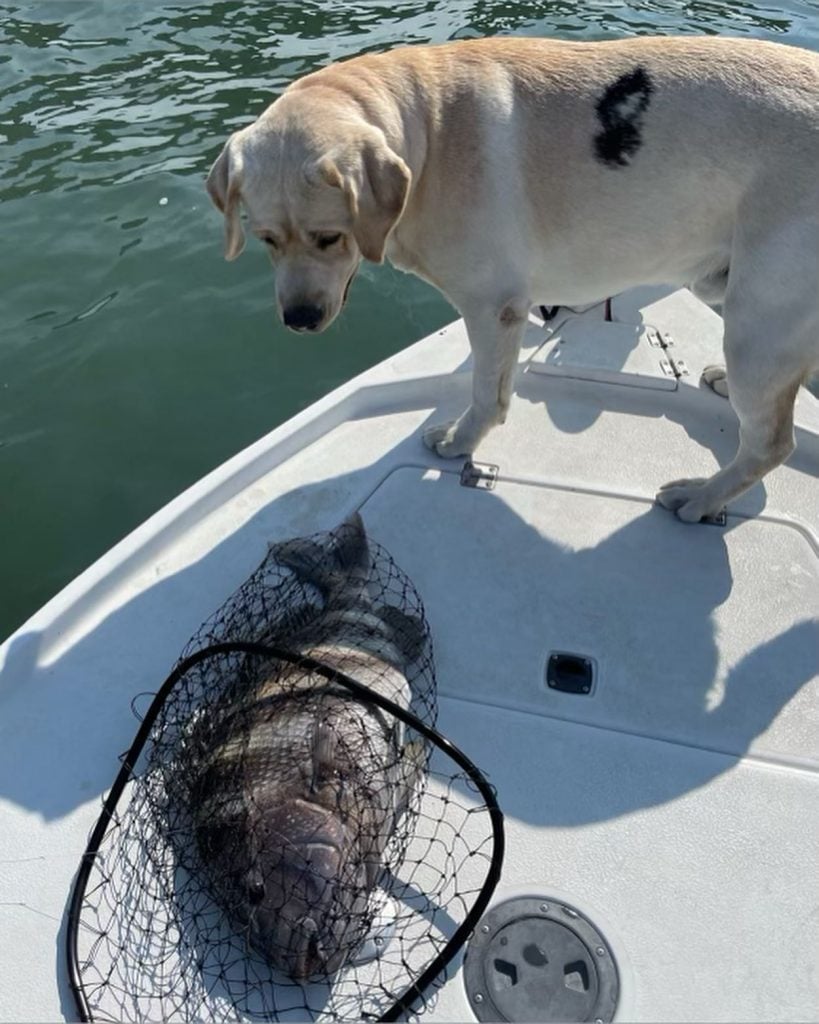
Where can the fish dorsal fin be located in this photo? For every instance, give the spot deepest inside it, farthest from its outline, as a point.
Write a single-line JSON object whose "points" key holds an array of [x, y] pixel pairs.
{"points": [[351, 549]]}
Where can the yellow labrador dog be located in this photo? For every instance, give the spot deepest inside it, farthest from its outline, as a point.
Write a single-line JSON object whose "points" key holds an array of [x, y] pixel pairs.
{"points": [[515, 171]]}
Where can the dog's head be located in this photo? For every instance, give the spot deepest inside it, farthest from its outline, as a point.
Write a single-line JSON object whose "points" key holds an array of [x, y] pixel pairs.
{"points": [[321, 190]]}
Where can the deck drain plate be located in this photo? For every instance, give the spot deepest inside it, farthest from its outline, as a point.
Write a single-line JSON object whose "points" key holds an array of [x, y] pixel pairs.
{"points": [[535, 959]]}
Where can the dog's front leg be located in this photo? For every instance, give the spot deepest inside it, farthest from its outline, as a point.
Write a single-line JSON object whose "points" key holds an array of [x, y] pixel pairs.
{"points": [[495, 336]]}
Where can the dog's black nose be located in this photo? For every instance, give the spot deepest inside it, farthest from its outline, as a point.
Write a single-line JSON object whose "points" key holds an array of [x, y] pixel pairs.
{"points": [[303, 318]]}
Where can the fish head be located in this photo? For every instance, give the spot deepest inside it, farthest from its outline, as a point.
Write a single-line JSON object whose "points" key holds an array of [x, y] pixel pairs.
{"points": [[307, 889]]}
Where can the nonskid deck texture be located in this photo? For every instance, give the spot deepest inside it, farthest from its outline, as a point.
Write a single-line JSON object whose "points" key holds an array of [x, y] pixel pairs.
{"points": [[675, 804]]}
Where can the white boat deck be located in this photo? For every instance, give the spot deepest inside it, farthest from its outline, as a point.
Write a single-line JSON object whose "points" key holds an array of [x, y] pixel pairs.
{"points": [[677, 805]]}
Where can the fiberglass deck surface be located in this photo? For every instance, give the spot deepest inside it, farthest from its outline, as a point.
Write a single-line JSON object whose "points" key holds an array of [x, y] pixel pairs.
{"points": [[676, 805], [666, 805]]}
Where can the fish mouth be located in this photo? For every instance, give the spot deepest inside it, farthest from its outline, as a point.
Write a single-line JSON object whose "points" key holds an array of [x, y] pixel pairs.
{"points": [[295, 946], [308, 825], [304, 890], [312, 959], [294, 926]]}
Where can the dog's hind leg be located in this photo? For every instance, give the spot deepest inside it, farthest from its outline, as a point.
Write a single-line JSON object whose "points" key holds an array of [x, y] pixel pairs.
{"points": [[771, 316], [765, 441], [495, 337], [710, 289], [763, 379]]}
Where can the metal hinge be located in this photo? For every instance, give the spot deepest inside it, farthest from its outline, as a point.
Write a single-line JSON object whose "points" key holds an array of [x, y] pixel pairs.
{"points": [[483, 475], [670, 365], [667, 367]]}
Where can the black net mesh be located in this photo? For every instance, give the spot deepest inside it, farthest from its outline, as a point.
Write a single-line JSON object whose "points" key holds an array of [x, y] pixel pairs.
{"points": [[284, 848]]}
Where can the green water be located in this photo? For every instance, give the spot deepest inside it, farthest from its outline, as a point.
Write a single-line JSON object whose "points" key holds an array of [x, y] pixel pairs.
{"points": [[132, 358]]}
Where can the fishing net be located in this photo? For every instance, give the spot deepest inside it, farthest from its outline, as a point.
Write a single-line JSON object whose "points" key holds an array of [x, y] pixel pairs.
{"points": [[289, 838]]}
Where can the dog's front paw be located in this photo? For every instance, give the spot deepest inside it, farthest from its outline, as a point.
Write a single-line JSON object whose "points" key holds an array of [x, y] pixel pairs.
{"points": [[716, 378], [446, 440], [689, 499]]}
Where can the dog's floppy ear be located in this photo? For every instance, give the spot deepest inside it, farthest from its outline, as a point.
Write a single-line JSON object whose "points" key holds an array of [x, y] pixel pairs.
{"points": [[375, 182], [325, 170], [223, 184], [381, 198]]}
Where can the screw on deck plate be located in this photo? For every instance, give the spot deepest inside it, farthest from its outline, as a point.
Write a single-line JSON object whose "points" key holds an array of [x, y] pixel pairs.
{"points": [[544, 908], [478, 997], [600, 951], [485, 929]]}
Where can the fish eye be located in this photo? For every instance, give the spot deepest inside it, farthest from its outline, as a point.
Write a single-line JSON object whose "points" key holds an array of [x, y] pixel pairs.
{"points": [[324, 239], [255, 891]]}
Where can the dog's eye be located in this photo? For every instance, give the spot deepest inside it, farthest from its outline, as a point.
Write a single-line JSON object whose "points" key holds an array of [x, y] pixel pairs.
{"points": [[325, 241], [268, 240]]}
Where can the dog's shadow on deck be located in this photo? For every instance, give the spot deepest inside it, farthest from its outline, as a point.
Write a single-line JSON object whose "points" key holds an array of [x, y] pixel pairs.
{"points": [[137, 642], [65, 696], [685, 651], [500, 563], [574, 402]]}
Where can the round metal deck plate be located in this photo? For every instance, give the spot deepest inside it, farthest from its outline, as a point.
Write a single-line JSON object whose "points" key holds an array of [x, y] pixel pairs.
{"points": [[531, 959]]}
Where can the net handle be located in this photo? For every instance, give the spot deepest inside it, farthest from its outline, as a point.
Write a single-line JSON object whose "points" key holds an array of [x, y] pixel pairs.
{"points": [[358, 690]]}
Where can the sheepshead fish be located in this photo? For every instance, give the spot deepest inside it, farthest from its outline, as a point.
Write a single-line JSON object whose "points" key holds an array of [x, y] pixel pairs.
{"points": [[299, 787]]}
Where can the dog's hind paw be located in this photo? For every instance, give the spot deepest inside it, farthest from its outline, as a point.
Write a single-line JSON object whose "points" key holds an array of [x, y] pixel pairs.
{"points": [[716, 378], [444, 440], [689, 499]]}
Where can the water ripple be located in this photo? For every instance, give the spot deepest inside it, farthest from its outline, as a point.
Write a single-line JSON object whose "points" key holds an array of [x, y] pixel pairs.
{"points": [[80, 84], [164, 361]]}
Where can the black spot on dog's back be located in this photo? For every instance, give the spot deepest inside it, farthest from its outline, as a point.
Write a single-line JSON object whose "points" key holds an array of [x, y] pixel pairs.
{"points": [[620, 111]]}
